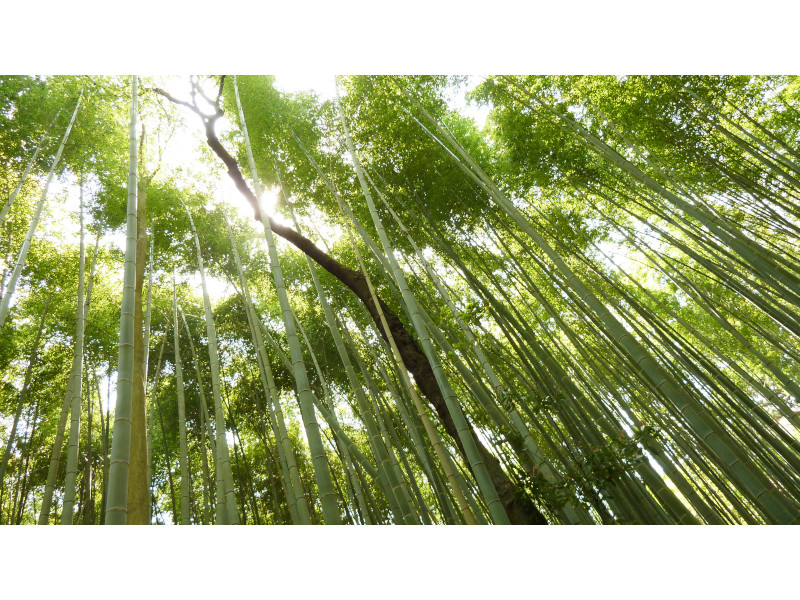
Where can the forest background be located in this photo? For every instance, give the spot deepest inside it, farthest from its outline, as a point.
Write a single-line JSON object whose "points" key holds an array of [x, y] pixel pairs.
{"points": [[354, 38]]}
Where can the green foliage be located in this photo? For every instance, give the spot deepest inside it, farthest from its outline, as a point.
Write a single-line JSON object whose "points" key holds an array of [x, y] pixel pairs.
{"points": [[670, 200]]}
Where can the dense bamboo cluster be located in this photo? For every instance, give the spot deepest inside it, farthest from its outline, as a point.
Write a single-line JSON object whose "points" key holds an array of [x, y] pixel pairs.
{"points": [[586, 312]]}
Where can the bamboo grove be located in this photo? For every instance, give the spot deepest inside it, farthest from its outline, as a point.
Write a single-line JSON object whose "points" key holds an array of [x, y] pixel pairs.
{"points": [[585, 311]]}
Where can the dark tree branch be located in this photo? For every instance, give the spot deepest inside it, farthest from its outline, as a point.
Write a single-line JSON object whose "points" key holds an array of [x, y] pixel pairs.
{"points": [[172, 98]]}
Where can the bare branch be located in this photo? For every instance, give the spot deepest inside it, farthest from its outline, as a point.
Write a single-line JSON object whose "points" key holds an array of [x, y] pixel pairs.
{"points": [[161, 148], [172, 98]]}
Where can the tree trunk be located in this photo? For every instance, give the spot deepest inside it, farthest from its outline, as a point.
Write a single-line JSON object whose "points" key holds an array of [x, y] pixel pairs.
{"points": [[138, 476]]}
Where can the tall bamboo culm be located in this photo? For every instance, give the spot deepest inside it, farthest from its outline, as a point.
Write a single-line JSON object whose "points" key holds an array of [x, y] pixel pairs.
{"points": [[183, 455], [76, 387], [116, 506]]}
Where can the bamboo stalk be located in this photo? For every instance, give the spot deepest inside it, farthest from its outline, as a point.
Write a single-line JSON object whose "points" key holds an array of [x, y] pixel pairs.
{"points": [[117, 504]]}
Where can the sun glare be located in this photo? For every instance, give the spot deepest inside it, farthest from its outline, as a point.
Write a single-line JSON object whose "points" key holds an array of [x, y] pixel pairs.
{"points": [[232, 198]]}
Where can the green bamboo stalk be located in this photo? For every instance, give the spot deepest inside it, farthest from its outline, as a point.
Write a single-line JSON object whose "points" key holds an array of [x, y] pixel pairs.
{"points": [[183, 455], [77, 374], [150, 423], [145, 365], [201, 436], [345, 455], [86, 515], [117, 505], [241, 473], [106, 442], [73, 380], [169, 460], [219, 487]]}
